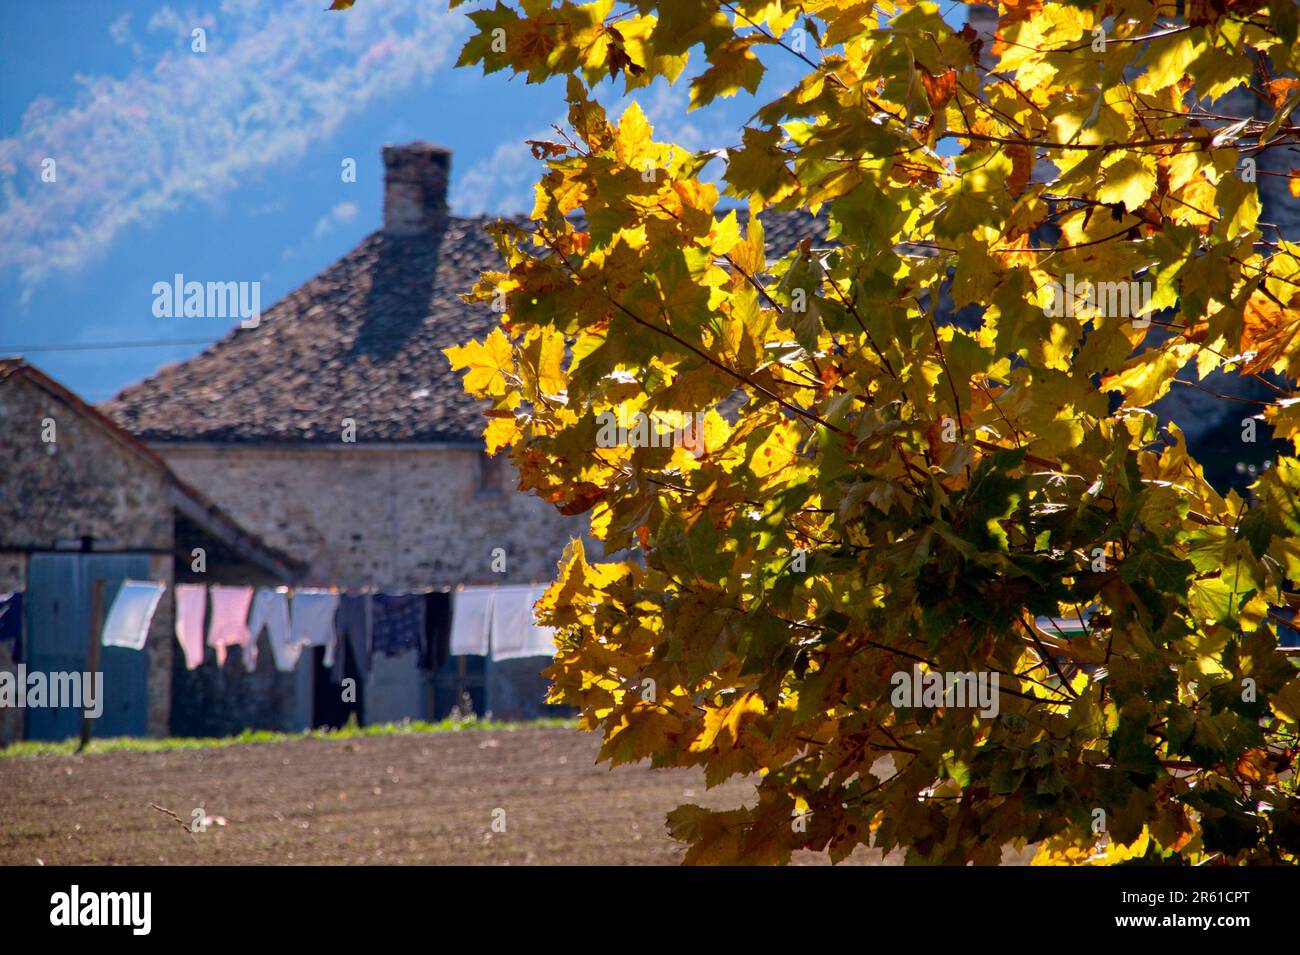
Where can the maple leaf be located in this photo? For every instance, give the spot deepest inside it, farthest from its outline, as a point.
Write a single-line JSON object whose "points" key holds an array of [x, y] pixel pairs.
{"points": [[1128, 181], [488, 364], [734, 67], [1280, 89], [1022, 167], [939, 89], [1267, 332], [723, 724]]}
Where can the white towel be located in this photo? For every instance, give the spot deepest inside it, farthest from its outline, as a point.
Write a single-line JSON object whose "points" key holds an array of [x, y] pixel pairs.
{"points": [[313, 620], [512, 622], [471, 621], [271, 610], [541, 640], [127, 624]]}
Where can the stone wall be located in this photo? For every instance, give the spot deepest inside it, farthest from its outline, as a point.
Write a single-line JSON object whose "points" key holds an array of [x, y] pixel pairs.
{"points": [[13, 571], [392, 517], [86, 483]]}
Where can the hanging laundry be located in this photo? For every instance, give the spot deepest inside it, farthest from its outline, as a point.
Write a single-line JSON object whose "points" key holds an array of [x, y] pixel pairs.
{"points": [[271, 611], [228, 626], [512, 621], [312, 620], [436, 648], [352, 625], [396, 623], [191, 607], [127, 623], [541, 640], [11, 616], [11, 622], [471, 621]]}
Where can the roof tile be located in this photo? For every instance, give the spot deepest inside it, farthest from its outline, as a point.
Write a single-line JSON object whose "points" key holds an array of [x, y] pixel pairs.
{"points": [[362, 340]]}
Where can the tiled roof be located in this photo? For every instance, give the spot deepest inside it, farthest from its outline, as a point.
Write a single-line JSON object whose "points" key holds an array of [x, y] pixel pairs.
{"points": [[362, 340]]}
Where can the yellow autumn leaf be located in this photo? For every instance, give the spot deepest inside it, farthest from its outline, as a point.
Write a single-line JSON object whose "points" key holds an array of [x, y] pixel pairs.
{"points": [[489, 365], [543, 356], [500, 433], [1149, 376], [1128, 181], [723, 725], [1267, 332]]}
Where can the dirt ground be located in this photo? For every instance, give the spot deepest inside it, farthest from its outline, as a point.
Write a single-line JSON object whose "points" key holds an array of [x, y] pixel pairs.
{"points": [[413, 799]]}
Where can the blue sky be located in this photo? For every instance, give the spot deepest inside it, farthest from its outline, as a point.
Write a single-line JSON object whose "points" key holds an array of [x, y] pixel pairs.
{"points": [[225, 165]]}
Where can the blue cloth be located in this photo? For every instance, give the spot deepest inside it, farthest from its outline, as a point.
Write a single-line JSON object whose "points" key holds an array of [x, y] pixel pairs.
{"points": [[352, 624], [11, 622], [396, 623]]}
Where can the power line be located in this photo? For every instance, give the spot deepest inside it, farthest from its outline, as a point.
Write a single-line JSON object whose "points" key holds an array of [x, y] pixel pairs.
{"points": [[91, 346]]}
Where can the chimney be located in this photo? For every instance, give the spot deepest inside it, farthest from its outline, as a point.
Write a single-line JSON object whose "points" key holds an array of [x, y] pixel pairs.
{"points": [[415, 188]]}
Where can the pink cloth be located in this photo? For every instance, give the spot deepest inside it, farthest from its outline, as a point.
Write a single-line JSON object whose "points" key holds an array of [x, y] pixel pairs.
{"points": [[229, 624], [191, 605]]}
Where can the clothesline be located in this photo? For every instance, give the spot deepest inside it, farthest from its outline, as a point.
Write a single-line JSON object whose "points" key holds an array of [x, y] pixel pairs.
{"points": [[363, 589], [467, 620]]}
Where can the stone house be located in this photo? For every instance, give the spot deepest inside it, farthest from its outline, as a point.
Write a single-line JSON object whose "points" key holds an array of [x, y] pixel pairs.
{"points": [[82, 501], [336, 430]]}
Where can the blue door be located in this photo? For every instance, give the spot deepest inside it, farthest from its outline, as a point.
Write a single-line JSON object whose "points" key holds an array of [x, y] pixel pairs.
{"points": [[58, 600]]}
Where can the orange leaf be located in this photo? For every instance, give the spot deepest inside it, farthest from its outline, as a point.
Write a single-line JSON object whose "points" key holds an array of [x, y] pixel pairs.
{"points": [[1266, 331], [1253, 765], [1022, 164], [586, 497], [1017, 10], [1280, 89], [938, 89]]}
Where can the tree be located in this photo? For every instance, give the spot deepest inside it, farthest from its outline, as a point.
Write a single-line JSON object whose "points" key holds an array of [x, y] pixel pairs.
{"points": [[877, 502]]}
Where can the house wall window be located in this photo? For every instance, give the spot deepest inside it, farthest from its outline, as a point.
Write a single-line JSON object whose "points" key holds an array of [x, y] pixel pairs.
{"points": [[490, 473]]}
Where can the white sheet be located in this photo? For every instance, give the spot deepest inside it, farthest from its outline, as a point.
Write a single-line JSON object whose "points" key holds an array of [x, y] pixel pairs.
{"points": [[471, 621]]}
